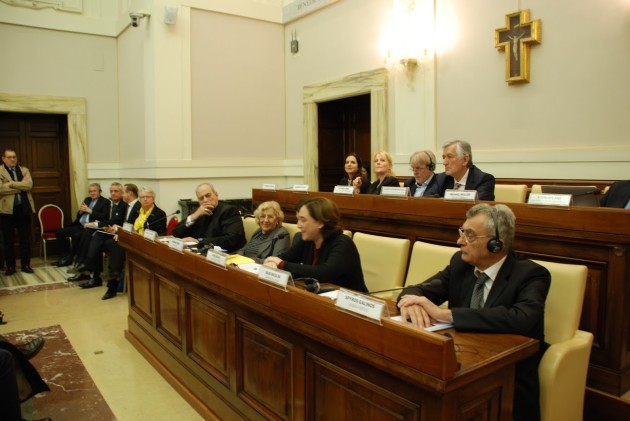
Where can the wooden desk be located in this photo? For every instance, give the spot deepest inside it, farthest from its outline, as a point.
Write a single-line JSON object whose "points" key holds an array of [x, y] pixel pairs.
{"points": [[596, 237], [237, 348]]}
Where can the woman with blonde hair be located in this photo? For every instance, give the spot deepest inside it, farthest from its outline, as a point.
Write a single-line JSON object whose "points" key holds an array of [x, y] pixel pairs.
{"points": [[383, 164], [271, 238]]}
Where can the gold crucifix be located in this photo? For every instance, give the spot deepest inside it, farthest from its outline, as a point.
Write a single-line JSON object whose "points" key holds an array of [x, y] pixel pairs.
{"points": [[515, 39]]}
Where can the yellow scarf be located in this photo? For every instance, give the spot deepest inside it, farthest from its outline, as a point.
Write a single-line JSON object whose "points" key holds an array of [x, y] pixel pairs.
{"points": [[138, 226]]}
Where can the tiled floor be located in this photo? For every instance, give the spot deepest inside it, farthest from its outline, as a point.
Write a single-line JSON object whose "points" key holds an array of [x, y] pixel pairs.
{"points": [[131, 387]]}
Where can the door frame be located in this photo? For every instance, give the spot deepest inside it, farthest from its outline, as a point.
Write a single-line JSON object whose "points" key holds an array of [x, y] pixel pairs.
{"points": [[373, 82], [75, 108]]}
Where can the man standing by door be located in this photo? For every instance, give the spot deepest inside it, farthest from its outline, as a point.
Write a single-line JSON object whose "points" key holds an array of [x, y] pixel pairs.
{"points": [[16, 206]]}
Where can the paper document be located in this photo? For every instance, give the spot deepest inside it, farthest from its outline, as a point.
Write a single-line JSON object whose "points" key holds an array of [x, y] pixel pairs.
{"points": [[250, 267], [434, 327]]}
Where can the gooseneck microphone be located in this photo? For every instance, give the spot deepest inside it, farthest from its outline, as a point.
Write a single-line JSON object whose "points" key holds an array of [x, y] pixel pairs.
{"points": [[177, 212]]}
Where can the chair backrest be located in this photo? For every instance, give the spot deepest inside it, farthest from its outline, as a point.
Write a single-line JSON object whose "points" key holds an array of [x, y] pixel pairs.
{"points": [[426, 260], [536, 189], [348, 233], [250, 226], [172, 223], [510, 193], [292, 228], [383, 259], [564, 300], [50, 218]]}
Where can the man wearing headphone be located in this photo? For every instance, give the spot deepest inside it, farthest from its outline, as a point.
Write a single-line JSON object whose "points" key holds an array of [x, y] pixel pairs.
{"points": [[423, 183], [489, 290]]}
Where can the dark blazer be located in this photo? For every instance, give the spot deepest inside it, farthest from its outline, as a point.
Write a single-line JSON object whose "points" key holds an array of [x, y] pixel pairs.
{"points": [[515, 304], [617, 196], [224, 228], [135, 212], [156, 221], [389, 181], [338, 262], [118, 214], [477, 180], [364, 183], [431, 190], [100, 211]]}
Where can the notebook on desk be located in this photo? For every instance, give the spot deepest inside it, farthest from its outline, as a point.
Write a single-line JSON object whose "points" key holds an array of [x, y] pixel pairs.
{"points": [[581, 195]]}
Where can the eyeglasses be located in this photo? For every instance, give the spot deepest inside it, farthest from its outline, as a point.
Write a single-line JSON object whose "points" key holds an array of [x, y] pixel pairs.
{"points": [[468, 235], [269, 217], [145, 197], [418, 168]]}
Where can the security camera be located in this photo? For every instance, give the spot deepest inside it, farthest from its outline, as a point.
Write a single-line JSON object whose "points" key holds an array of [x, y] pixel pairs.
{"points": [[135, 18]]}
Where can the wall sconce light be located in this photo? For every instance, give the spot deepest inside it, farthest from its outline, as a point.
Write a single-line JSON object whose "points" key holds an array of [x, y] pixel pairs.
{"points": [[409, 38]]}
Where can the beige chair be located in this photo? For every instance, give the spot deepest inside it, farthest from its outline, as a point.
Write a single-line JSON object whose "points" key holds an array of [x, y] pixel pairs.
{"points": [[426, 260], [383, 259], [536, 189], [292, 228], [564, 365], [348, 233], [250, 226], [510, 193]]}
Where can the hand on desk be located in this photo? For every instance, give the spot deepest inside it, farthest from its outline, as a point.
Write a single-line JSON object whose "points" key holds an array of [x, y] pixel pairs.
{"points": [[422, 312], [272, 261]]}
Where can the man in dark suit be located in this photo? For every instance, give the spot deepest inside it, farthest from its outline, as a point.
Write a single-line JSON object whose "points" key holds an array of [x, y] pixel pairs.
{"points": [[214, 222], [423, 183], [16, 207], [488, 289], [93, 208], [460, 173], [617, 196]]}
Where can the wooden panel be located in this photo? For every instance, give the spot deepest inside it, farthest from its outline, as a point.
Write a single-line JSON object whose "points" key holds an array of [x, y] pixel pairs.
{"points": [[336, 393], [265, 374], [141, 290], [208, 337], [168, 310]]}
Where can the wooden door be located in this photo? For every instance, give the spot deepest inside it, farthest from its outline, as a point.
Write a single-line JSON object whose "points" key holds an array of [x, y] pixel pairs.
{"points": [[343, 127], [41, 144]]}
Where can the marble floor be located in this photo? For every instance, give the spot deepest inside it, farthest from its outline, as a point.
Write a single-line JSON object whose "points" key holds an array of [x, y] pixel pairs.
{"points": [[130, 386]]}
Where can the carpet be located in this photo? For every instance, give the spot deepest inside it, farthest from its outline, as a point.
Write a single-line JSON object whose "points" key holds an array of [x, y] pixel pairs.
{"points": [[44, 278], [73, 394]]}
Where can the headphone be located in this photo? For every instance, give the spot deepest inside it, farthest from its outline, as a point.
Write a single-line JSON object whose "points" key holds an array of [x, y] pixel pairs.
{"points": [[310, 284], [431, 165], [495, 245]]}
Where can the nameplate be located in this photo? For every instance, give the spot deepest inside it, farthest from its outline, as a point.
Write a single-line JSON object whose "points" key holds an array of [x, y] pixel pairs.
{"points": [[269, 187], [360, 304], [127, 227], [347, 190], [150, 235], [547, 199], [395, 191], [176, 244], [464, 195], [276, 277], [300, 187], [217, 258]]}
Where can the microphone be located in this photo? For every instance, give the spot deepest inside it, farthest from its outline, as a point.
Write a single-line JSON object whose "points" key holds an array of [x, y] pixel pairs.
{"points": [[385, 290], [596, 191], [177, 212], [274, 240]]}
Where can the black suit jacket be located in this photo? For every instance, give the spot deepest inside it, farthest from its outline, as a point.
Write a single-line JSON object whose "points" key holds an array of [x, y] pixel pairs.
{"points": [[389, 181], [224, 228], [135, 212], [338, 261], [477, 180], [118, 214], [515, 304], [617, 196], [156, 221], [430, 191], [100, 211]]}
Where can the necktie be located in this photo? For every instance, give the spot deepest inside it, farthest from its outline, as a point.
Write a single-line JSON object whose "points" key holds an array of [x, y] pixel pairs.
{"points": [[458, 185], [85, 218], [477, 300], [18, 197]]}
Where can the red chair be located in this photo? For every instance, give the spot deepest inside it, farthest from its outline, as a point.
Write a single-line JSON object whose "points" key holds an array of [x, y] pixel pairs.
{"points": [[171, 224], [50, 220]]}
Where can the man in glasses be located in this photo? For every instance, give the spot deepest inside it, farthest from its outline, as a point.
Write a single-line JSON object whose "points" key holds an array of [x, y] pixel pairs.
{"points": [[488, 289]]}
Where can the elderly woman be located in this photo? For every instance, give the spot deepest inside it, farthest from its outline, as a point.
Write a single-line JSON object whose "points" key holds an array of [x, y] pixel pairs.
{"points": [[353, 168], [383, 164], [322, 251], [150, 216], [271, 239]]}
